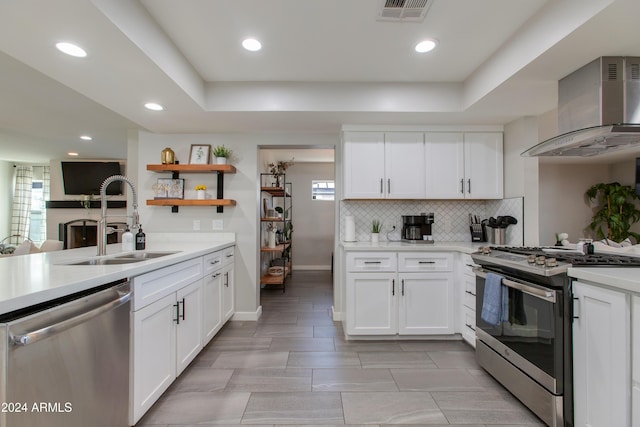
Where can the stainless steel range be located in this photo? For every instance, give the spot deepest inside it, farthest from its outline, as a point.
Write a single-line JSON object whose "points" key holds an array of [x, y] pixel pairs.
{"points": [[528, 348]]}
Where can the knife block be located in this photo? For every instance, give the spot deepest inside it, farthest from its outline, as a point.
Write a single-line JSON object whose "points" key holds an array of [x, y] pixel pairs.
{"points": [[478, 233]]}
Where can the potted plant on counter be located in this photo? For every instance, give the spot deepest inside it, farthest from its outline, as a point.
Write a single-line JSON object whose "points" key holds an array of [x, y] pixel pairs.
{"points": [[375, 231], [616, 211]]}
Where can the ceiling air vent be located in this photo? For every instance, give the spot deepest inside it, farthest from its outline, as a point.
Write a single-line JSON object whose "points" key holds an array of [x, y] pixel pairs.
{"points": [[404, 10]]}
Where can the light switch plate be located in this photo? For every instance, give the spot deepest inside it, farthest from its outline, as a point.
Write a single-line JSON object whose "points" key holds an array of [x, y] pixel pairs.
{"points": [[196, 224], [217, 224]]}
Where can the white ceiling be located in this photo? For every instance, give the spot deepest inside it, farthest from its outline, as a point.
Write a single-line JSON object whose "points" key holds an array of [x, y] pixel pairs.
{"points": [[324, 63]]}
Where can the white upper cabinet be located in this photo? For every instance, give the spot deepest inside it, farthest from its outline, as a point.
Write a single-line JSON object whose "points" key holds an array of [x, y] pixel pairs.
{"points": [[464, 165], [483, 168], [379, 165]]}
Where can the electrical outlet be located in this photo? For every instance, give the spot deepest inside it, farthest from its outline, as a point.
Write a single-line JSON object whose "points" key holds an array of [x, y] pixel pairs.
{"points": [[217, 224], [196, 225]]}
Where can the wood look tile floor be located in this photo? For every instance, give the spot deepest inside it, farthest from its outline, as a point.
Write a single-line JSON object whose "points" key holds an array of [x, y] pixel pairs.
{"points": [[293, 367]]}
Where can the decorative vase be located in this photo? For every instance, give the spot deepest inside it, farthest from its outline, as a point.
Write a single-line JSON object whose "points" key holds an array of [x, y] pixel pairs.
{"points": [[277, 185], [272, 239], [375, 237], [168, 156], [200, 194], [221, 160]]}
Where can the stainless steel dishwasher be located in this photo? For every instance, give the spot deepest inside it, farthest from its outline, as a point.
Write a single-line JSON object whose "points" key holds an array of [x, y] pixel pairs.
{"points": [[66, 362]]}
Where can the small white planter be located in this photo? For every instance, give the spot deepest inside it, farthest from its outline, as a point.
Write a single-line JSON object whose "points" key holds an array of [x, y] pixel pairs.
{"points": [[200, 194], [272, 239], [221, 160], [375, 237]]}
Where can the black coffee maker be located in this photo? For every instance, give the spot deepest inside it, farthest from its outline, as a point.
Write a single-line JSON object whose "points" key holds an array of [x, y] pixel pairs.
{"points": [[417, 228]]}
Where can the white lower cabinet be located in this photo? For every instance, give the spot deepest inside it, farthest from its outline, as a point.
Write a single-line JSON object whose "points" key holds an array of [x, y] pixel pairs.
{"points": [[635, 361], [176, 311], [414, 298], [468, 280], [601, 365]]}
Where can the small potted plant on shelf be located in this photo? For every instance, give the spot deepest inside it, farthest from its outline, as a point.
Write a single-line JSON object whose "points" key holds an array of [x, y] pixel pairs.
{"points": [[616, 211], [221, 153], [375, 231], [279, 168], [271, 236], [200, 191]]}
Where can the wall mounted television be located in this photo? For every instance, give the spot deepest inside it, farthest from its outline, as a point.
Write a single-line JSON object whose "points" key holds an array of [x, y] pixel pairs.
{"points": [[86, 177]]}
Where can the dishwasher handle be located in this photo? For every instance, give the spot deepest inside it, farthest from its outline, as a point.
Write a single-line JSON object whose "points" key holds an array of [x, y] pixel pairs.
{"points": [[47, 331]]}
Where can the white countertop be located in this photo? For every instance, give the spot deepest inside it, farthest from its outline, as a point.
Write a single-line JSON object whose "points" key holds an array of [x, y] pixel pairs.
{"points": [[625, 279], [27, 280], [464, 247]]}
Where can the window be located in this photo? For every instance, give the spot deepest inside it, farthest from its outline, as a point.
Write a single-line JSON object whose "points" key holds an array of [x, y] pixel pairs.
{"points": [[323, 190]]}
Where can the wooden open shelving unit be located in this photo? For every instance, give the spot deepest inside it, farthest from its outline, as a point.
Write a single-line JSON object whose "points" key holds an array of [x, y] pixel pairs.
{"points": [[177, 169]]}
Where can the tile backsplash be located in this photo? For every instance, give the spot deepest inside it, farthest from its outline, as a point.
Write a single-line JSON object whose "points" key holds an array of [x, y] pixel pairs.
{"points": [[451, 217]]}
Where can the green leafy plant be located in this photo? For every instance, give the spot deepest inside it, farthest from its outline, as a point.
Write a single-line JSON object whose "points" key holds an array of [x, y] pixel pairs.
{"points": [[376, 226], [617, 211], [221, 151]]}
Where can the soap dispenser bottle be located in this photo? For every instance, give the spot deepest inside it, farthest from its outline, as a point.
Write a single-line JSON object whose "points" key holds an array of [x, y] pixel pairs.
{"points": [[141, 240], [127, 240]]}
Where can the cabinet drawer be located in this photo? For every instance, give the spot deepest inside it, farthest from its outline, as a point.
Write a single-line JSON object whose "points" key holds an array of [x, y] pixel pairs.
{"points": [[469, 326], [212, 261], [425, 261], [228, 255], [371, 261], [469, 297], [152, 286]]}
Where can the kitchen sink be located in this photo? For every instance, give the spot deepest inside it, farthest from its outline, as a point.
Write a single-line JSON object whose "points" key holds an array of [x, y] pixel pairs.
{"points": [[123, 259], [144, 255]]}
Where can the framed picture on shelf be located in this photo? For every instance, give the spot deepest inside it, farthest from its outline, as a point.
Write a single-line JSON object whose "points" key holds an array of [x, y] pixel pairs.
{"points": [[199, 154], [167, 188]]}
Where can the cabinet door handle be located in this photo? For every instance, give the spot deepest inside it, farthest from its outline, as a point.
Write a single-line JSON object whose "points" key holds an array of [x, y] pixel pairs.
{"points": [[393, 286], [177, 319], [462, 185], [576, 308], [388, 185], [373, 262], [470, 293], [426, 262], [381, 187], [184, 308], [226, 279], [469, 185], [402, 287]]}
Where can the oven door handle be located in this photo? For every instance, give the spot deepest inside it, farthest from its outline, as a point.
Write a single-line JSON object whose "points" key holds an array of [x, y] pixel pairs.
{"points": [[529, 289]]}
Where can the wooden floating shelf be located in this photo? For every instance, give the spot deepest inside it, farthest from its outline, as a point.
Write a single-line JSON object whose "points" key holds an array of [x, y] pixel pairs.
{"points": [[192, 168], [272, 219], [191, 202]]}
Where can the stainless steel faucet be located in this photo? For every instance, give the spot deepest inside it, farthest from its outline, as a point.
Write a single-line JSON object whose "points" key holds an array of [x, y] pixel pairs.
{"points": [[103, 230]]}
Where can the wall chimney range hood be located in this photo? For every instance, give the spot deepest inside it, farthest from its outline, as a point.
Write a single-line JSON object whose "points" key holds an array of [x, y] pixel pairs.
{"points": [[598, 109]]}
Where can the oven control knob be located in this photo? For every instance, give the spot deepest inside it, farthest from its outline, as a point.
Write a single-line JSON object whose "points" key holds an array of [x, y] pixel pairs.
{"points": [[540, 260], [551, 262], [531, 259]]}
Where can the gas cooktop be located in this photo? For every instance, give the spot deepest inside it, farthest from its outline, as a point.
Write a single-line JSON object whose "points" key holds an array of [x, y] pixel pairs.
{"points": [[548, 261]]}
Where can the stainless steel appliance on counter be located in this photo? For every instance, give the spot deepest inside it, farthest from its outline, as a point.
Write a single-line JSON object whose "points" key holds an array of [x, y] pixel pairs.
{"points": [[417, 228], [529, 350], [66, 362]]}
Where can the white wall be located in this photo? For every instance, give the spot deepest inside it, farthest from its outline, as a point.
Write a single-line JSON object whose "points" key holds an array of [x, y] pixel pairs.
{"points": [[6, 197], [521, 173], [313, 219], [243, 219]]}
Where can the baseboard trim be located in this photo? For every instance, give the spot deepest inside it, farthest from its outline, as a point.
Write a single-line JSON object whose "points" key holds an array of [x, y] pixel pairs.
{"points": [[336, 315], [311, 267], [247, 316]]}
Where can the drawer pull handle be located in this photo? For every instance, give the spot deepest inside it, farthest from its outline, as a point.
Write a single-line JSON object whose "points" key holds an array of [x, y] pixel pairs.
{"points": [[373, 262], [215, 275], [214, 262], [470, 293], [229, 256], [426, 262], [469, 326]]}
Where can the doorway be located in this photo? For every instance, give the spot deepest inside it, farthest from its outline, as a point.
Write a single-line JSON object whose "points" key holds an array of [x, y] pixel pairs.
{"points": [[304, 214]]}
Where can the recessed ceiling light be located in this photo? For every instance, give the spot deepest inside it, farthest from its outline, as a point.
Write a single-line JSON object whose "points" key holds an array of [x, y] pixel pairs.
{"points": [[153, 106], [86, 138], [71, 49], [72, 154], [252, 44], [426, 45]]}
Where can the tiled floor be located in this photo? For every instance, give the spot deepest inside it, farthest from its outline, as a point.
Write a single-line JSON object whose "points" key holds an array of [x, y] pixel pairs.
{"points": [[294, 367]]}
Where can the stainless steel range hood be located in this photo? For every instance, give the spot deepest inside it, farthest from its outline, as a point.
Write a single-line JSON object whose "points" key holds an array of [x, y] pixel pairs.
{"points": [[598, 109]]}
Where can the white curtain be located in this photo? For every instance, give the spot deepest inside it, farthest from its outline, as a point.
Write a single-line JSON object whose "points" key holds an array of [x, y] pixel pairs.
{"points": [[46, 196], [21, 211]]}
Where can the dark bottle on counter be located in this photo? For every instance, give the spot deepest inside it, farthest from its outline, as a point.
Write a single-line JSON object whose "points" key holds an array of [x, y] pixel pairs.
{"points": [[141, 240]]}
